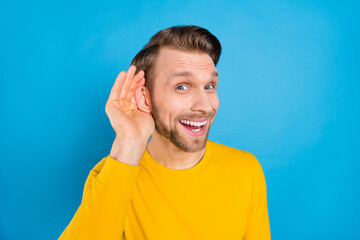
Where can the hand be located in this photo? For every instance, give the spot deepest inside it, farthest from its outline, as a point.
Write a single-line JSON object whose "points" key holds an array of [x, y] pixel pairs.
{"points": [[129, 122]]}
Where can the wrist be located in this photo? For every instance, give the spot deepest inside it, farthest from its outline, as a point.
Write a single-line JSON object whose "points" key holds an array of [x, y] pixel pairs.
{"points": [[128, 151]]}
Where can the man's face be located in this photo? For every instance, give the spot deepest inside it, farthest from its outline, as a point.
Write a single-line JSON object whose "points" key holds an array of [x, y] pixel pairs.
{"points": [[184, 94]]}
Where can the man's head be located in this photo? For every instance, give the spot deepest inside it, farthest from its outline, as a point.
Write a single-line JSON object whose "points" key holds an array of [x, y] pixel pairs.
{"points": [[179, 65]]}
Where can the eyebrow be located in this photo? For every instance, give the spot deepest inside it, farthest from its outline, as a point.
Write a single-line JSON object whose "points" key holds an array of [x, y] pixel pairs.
{"points": [[189, 75]]}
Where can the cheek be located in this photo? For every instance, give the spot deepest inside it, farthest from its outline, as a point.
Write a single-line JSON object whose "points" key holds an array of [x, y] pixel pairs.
{"points": [[175, 107], [169, 108], [173, 101]]}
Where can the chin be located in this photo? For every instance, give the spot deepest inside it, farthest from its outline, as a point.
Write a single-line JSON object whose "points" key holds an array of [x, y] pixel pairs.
{"points": [[191, 144], [183, 138]]}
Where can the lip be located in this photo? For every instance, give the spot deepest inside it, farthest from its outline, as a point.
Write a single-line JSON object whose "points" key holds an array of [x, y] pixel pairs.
{"points": [[195, 119], [195, 134]]}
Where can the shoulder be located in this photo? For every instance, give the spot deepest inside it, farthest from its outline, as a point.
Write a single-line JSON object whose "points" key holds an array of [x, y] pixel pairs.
{"points": [[233, 157], [220, 150], [237, 166]]}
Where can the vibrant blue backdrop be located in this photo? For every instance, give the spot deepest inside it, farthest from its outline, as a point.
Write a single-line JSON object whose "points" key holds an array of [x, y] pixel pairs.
{"points": [[289, 82]]}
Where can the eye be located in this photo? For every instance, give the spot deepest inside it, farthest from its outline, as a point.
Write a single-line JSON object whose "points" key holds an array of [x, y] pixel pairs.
{"points": [[210, 86], [181, 87]]}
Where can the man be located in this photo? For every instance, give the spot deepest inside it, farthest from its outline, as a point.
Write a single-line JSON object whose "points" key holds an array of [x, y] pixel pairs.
{"points": [[178, 185]]}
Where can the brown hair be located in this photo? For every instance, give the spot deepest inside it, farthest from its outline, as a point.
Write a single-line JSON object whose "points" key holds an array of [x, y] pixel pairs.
{"points": [[188, 38]]}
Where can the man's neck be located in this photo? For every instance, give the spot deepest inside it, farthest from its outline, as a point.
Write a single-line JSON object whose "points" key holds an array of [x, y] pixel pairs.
{"points": [[169, 155]]}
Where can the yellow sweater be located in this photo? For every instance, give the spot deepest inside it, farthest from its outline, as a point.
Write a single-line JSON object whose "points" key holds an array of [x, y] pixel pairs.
{"points": [[221, 197]]}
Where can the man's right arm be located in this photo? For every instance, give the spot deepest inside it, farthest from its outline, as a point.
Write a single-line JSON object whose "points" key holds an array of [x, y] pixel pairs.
{"points": [[109, 186], [106, 197]]}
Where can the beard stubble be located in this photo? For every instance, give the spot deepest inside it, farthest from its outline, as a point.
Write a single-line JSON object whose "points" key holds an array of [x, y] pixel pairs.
{"points": [[174, 135]]}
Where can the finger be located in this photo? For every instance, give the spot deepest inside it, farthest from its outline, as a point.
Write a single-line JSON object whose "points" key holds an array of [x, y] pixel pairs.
{"points": [[115, 90], [134, 84], [127, 83], [142, 82]]}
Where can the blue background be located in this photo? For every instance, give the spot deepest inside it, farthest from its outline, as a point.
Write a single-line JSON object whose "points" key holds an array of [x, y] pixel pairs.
{"points": [[288, 89]]}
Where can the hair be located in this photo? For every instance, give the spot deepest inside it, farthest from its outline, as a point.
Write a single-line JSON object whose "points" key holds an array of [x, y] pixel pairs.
{"points": [[187, 38]]}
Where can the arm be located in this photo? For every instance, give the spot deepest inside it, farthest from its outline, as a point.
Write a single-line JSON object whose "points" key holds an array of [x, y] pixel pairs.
{"points": [[106, 197], [109, 186], [258, 226]]}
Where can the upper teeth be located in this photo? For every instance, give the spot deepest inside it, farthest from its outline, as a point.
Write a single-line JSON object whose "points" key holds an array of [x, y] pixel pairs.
{"points": [[191, 123]]}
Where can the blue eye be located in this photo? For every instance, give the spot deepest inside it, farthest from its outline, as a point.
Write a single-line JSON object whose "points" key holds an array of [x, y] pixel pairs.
{"points": [[211, 86], [181, 87]]}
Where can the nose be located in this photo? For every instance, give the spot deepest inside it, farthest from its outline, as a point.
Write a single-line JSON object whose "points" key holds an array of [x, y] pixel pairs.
{"points": [[202, 102]]}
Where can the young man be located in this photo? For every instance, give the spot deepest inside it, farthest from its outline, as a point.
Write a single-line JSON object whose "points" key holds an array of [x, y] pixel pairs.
{"points": [[178, 185]]}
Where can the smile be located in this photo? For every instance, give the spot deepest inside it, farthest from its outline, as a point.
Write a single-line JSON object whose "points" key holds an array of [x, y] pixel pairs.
{"points": [[191, 123], [194, 127]]}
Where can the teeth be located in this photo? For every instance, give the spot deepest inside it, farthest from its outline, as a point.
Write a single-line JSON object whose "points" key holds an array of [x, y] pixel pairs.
{"points": [[195, 130], [191, 123]]}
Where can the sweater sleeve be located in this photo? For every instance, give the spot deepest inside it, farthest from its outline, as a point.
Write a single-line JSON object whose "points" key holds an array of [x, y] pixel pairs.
{"points": [[106, 197], [258, 226]]}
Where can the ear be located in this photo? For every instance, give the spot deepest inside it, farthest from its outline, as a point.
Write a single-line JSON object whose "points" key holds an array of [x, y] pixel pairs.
{"points": [[142, 98]]}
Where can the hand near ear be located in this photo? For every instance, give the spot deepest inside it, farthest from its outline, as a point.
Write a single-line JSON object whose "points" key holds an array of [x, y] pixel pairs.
{"points": [[128, 109]]}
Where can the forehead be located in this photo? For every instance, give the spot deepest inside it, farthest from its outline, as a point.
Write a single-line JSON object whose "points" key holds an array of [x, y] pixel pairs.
{"points": [[170, 60]]}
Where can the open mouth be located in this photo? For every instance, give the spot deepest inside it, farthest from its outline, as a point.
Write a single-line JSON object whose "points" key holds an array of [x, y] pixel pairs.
{"points": [[194, 127]]}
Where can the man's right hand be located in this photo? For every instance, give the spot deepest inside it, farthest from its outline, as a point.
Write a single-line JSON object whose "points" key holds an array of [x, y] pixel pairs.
{"points": [[133, 127]]}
